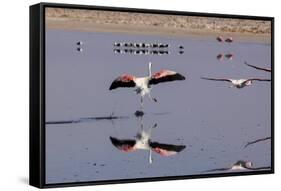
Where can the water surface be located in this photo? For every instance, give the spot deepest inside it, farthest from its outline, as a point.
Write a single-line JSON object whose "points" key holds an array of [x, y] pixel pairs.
{"points": [[213, 121]]}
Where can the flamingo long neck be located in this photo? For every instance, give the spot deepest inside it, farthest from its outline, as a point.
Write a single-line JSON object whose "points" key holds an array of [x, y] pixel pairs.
{"points": [[149, 69]]}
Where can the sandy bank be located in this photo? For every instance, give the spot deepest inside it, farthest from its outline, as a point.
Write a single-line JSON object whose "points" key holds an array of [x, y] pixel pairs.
{"points": [[156, 24]]}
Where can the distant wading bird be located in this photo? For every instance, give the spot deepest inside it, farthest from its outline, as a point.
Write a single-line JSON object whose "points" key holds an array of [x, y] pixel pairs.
{"points": [[143, 142], [258, 68], [238, 83], [143, 84], [229, 39], [219, 38]]}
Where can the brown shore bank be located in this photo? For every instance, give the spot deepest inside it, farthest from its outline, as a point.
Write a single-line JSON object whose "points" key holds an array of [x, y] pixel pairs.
{"points": [[157, 24]]}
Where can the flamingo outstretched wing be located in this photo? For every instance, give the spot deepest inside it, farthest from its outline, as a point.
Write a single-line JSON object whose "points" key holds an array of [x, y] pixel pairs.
{"points": [[216, 79], [259, 79], [260, 168], [258, 68], [217, 169], [125, 80], [126, 145], [166, 149], [165, 76], [256, 141]]}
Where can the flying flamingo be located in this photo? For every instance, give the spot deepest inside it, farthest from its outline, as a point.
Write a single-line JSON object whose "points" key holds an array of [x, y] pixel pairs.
{"points": [[220, 38], [220, 57], [143, 142], [238, 83], [229, 39], [229, 56], [258, 68], [143, 84], [240, 165]]}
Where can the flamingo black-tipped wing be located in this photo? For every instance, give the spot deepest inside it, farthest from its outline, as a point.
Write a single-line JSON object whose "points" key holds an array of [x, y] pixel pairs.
{"points": [[216, 79], [123, 81], [165, 76], [166, 149], [126, 145], [259, 79], [217, 169], [258, 68], [260, 168], [256, 141]]}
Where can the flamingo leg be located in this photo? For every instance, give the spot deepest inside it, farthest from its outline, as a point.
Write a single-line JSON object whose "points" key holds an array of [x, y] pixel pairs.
{"points": [[152, 98], [141, 103]]}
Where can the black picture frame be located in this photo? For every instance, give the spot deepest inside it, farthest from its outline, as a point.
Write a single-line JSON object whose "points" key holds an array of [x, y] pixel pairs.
{"points": [[37, 94]]}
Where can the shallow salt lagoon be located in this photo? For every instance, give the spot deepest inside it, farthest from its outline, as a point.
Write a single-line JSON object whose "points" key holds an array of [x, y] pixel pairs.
{"points": [[213, 121]]}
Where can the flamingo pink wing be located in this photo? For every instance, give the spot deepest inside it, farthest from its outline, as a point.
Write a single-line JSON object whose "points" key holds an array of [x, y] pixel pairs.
{"points": [[126, 145], [165, 76], [166, 149], [125, 80], [164, 152]]}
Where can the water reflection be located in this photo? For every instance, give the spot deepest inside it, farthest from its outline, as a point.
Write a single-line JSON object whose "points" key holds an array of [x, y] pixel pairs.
{"points": [[142, 141], [214, 122]]}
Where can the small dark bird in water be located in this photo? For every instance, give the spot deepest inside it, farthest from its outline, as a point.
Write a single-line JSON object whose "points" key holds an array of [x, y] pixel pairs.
{"points": [[118, 44], [181, 52], [229, 56], [117, 51], [220, 57], [161, 52], [79, 43], [229, 39], [154, 45], [163, 45], [79, 49], [155, 52], [143, 51], [181, 47]]}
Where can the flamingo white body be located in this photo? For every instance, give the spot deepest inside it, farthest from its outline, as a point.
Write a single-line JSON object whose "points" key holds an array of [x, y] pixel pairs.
{"points": [[238, 83], [242, 165], [143, 84]]}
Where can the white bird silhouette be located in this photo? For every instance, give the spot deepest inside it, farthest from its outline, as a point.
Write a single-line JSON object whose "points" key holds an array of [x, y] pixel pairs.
{"points": [[238, 83]]}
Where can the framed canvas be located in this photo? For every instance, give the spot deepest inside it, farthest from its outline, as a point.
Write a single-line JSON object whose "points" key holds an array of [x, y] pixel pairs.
{"points": [[127, 95]]}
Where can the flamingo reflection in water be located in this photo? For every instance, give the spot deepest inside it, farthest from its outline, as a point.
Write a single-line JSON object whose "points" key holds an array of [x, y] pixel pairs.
{"points": [[142, 141]]}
